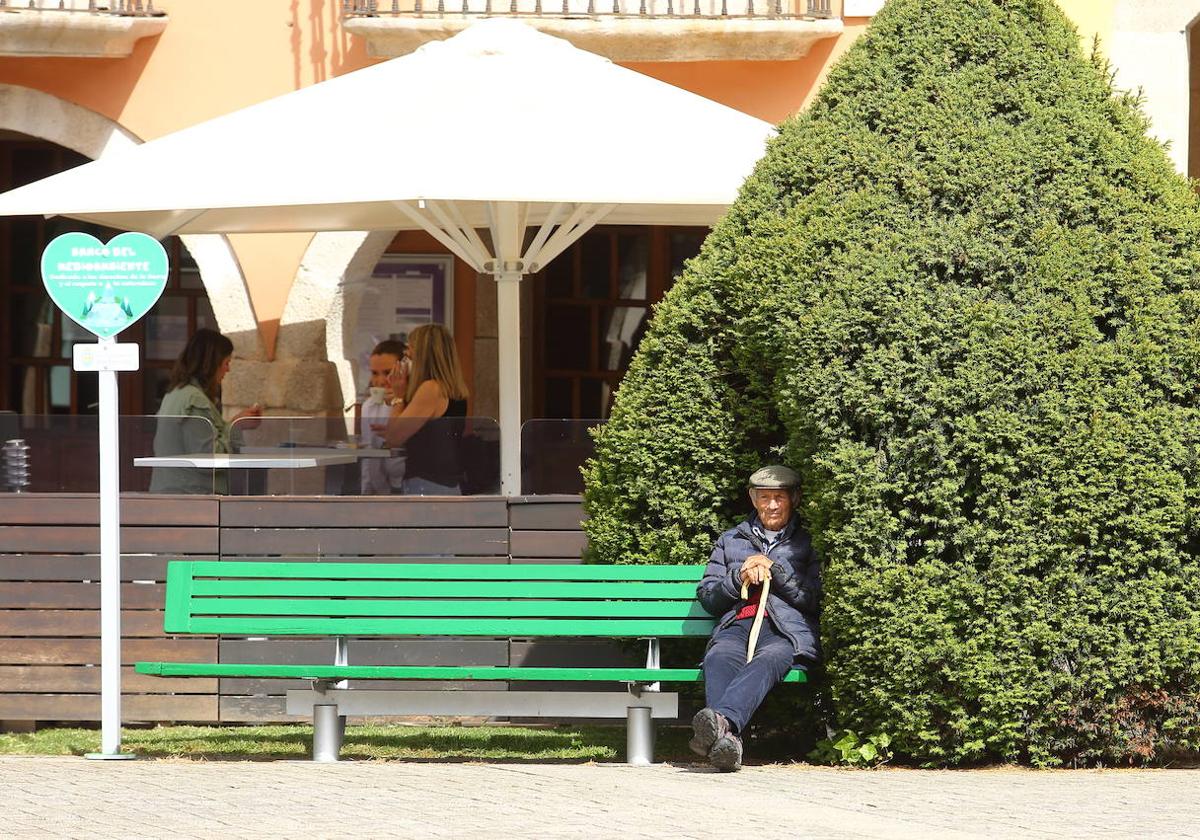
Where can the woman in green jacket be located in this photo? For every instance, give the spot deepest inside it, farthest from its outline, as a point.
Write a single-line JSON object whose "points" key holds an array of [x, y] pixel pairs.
{"points": [[190, 419]]}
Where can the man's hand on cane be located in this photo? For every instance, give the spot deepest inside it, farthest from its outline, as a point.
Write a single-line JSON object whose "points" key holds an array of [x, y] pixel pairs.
{"points": [[755, 570]]}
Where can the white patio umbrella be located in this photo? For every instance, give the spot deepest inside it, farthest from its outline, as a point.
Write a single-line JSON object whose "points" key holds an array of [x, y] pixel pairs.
{"points": [[500, 128]]}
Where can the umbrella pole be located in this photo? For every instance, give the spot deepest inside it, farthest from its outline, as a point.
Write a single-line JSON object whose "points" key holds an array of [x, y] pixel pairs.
{"points": [[506, 221], [508, 313]]}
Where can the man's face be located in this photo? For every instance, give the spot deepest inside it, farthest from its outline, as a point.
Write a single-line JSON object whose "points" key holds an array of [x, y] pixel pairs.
{"points": [[381, 365], [774, 506]]}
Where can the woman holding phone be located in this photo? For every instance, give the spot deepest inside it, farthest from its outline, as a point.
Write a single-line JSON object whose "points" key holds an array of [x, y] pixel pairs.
{"points": [[429, 385]]}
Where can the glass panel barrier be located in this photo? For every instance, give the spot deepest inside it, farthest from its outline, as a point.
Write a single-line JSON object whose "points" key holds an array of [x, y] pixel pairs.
{"points": [[552, 454], [60, 453], [480, 453], [296, 456], [273, 456], [344, 457], [187, 443]]}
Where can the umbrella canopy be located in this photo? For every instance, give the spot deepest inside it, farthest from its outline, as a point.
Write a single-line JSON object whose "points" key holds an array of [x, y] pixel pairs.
{"points": [[499, 113], [499, 128]]}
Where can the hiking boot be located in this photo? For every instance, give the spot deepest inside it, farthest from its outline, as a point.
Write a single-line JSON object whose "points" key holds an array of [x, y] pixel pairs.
{"points": [[707, 728], [726, 754]]}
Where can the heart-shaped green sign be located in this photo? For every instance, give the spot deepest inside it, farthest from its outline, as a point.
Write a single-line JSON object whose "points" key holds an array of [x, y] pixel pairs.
{"points": [[104, 288]]}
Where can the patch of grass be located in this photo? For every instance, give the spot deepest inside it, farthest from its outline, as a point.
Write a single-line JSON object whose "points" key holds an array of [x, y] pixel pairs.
{"points": [[368, 741]]}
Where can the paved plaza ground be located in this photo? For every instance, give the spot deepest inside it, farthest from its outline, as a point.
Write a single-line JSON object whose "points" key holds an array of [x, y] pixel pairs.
{"points": [[72, 797]]}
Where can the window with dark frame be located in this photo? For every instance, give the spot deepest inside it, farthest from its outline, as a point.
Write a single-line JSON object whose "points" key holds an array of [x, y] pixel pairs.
{"points": [[592, 305]]}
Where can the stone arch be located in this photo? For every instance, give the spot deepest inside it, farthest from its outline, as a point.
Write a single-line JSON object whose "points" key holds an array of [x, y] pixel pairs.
{"points": [[74, 127], [313, 325]]}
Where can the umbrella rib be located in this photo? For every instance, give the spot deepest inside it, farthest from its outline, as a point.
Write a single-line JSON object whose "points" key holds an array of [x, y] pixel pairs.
{"points": [[552, 219], [570, 224], [441, 236], [455, 213], [174, 227], [567, 234], [447, 224]]}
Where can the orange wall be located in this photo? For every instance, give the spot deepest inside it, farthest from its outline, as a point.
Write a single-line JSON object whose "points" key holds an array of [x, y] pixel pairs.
{"points": [[769, 90], [215, 56]]}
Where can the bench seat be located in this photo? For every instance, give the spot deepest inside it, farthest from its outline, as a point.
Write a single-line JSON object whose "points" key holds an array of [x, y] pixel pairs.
{"points": [[349, 601]]}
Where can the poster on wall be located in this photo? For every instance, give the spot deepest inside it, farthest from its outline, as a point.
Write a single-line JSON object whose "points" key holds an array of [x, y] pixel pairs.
{"points": [[404, 292]]}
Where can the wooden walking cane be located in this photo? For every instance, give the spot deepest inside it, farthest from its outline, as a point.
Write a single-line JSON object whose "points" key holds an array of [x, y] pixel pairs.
{"points": [[758, 616]]}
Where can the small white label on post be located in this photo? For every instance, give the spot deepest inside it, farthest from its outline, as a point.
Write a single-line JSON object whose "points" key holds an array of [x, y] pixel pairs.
{"points": [[106, 355]]}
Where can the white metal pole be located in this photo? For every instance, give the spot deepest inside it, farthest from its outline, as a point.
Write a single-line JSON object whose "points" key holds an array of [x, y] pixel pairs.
{"points": [[110, 570], [508, 313], [507, 224]]}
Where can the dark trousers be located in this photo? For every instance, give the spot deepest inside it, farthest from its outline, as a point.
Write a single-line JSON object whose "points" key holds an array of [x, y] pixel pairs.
{"points": [[734, 687]]}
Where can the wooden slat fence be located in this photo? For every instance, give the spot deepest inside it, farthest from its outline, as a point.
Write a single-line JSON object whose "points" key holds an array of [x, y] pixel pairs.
{"points": [[50, 592], [50, 605]]}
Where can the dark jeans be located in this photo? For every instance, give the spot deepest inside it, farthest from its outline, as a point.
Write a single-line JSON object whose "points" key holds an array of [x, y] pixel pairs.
{"points": [[734, 687]]}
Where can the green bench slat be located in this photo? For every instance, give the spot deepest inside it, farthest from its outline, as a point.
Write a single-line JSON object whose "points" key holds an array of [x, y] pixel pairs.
{"points": [[449, 609], [433, 600], [412, 672], [178, 597], [591, 628], [446, 571], [441, 589]]}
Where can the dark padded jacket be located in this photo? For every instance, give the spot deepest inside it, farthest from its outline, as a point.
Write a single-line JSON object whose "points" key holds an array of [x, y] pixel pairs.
{"points": [[794, 600]]}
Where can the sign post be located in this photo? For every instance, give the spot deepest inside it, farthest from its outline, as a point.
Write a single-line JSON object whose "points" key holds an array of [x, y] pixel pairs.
{"points": [[104, 289], [110, 569]]}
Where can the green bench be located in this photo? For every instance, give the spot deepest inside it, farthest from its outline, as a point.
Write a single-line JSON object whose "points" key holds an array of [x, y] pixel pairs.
{"points": [[364, 600]]}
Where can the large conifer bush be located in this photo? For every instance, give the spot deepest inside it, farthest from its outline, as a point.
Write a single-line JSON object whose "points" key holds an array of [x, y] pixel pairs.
{"points": [[960, 295]]}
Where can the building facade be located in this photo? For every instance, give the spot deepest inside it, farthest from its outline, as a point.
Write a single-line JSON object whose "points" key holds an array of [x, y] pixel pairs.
{"points": [[80, 79]]}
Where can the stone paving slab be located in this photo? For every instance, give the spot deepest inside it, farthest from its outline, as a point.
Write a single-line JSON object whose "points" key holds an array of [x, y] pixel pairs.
{"points": [[73, 797]]}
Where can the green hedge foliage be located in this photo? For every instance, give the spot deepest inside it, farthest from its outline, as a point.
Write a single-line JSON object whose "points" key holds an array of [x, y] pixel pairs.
{"points": [[960, 295]]}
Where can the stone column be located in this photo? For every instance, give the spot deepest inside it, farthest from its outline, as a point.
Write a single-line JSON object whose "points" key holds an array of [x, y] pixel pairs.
{"points": [[485, 397]]}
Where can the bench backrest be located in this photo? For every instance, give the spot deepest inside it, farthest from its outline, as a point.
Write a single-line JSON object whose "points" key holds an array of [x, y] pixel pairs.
{"points": [[434, 599]]}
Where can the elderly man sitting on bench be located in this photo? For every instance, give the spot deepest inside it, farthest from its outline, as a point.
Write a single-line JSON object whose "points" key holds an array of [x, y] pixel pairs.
{"points": [[764, 583]]}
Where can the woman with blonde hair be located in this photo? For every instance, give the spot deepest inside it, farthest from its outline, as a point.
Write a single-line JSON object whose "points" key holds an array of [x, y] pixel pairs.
{"points": [[426, 413]]}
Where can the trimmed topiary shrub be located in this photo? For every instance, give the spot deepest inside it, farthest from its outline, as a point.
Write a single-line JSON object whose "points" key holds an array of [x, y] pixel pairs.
{"points": [[960, 295]]}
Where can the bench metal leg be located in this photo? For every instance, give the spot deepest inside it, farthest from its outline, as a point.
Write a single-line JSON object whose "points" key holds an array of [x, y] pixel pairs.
{"points": [[639, 736], [327, 732]]}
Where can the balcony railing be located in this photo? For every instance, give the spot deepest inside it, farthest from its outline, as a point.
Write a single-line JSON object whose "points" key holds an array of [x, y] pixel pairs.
{"points": [[123, 8], [622, 30], [695, 9], [76, 28]]}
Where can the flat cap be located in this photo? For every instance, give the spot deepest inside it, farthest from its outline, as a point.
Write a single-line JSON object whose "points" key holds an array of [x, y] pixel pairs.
{"points": [[775, 475]]}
